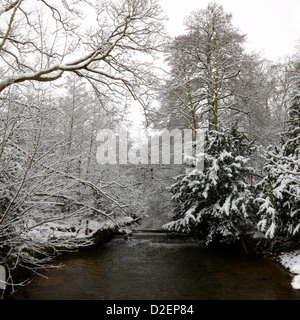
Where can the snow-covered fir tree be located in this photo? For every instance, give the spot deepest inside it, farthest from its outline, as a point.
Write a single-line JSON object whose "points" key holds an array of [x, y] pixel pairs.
{"points": [[280, 189], [215, 204]]}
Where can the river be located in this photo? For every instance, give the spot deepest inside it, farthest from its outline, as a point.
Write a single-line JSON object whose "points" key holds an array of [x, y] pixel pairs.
{"points": [[157, 268]]}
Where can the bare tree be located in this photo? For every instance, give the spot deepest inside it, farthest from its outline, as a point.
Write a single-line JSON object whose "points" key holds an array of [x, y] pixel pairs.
{"points": [[211, 77], [48, 174], [45, 192], [40, 41], [203, 63]]}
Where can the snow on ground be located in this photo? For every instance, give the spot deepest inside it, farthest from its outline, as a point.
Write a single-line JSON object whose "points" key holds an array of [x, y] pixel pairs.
{"points": [[291, 261], [73, 229]]}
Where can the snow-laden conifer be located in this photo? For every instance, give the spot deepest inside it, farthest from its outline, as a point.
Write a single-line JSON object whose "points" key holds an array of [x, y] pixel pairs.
{"points": [[216, 203], [280, 189]]}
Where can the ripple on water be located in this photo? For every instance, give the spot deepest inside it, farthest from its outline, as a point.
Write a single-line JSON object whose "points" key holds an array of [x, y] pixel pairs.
{"points": [[160, 269]]}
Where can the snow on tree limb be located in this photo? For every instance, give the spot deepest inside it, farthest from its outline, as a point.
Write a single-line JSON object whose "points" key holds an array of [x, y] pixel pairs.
{"points": [[69, 176], [134, 26], [9, 7]]}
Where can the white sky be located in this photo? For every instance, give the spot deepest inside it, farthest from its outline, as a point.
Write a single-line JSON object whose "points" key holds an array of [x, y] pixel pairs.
{"points": [[272, 26]]}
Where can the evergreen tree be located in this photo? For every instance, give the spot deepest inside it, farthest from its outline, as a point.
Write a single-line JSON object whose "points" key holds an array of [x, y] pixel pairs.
{"points": [[215, 204], [280, 189]]}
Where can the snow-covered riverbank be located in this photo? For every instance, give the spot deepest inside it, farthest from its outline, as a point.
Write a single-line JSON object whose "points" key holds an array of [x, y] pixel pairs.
{"points": [[291, 261], [72, 230]]}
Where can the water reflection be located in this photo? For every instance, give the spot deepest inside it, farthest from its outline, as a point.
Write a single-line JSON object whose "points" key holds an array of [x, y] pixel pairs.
{"points": [[149, 269]]}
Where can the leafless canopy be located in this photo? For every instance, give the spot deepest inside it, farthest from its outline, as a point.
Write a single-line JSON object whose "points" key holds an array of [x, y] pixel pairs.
{"points": [[42, 40]]}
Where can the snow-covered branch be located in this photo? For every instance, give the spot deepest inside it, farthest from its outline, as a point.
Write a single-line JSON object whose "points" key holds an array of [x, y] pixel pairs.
{"points": [[116, 34], [9, 7]]}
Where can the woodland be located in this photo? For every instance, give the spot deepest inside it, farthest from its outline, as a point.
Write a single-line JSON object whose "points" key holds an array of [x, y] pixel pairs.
{"points": [[69, 69]]}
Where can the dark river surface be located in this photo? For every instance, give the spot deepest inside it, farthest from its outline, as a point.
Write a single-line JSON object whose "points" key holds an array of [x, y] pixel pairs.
{"points": [[158, 269]]}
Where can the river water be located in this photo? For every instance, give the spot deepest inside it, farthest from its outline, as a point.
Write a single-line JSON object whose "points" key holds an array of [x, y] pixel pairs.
{"points": [[156, 268]]}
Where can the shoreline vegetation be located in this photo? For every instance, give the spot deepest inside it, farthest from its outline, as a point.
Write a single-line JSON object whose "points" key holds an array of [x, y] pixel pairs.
{"points": [[88, 233]]}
